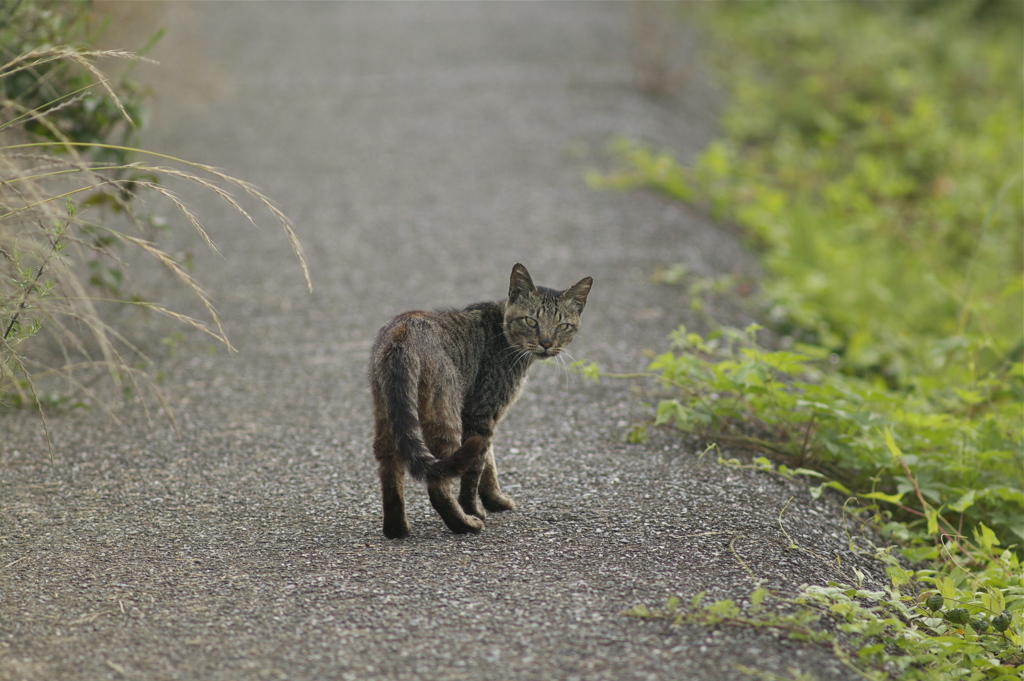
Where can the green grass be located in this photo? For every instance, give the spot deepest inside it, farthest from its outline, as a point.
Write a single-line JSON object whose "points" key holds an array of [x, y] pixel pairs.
{"points": [[873, 154]]}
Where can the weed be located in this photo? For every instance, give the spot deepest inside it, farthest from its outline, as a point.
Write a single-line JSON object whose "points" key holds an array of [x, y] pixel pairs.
{"points": [[893, 281], [880, 178], [926, 624], [888, 208], [60, 253]]}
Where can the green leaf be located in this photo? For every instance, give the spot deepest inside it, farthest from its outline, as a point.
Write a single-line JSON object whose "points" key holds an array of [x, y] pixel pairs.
{"points": [[898, 575], [807, 471], [750, 375], [993, 600], [722, 609], [673, 411], [785, 362], [932, 515], [890, 444], [816, 491], [639, 610], [757, 597], [589, 369], [637, 434], [891, 498], [870, 651], [963, 503], [986, 537]]}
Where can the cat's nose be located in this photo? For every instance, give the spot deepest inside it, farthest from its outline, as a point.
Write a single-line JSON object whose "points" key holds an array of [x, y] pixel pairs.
{"points": [[546, 343]]}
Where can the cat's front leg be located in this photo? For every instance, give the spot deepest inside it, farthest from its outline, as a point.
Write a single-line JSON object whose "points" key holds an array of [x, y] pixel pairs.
{"points": [[480, 425], [469, 499], [488, 488], [443, 501]]}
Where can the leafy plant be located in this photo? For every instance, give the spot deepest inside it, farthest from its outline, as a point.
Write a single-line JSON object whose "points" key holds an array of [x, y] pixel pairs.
{"points": [[928, 460], [955, 623], [61, 96], [873, 155], [888, 206], [888, 634], [961, 617], [880, 177]]}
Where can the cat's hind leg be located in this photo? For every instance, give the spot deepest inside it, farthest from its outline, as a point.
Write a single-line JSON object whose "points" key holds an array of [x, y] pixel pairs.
{"points": [[392, 486]]}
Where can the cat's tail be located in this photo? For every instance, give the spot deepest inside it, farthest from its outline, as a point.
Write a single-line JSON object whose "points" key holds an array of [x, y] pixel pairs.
{"points": [[399, 392], [434, 469]]}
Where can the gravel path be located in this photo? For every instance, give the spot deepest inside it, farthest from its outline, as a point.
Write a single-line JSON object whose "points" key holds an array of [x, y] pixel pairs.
{"points": [[421, 150]]}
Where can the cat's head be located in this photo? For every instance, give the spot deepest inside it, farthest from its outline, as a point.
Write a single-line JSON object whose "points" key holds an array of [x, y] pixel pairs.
{"points": [[541, 320]]}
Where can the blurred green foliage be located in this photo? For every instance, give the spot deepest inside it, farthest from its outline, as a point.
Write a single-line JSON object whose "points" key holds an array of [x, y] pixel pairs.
{"points": [[876, 153], [936, 463], [52, 91], [62, 93], [919, 627], [873, 153]]}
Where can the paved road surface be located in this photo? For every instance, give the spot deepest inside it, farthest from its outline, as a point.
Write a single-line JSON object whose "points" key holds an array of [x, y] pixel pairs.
{"points": [[421, 150]]}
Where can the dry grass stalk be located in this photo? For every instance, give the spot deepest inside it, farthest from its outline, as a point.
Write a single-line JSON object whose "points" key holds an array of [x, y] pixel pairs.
{"points": [[46, 242]]}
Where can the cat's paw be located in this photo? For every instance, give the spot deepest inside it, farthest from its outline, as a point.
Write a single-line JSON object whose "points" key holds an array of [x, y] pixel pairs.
{"points": [[497, 502], [473, 508], [396, 529], [470, 525]]}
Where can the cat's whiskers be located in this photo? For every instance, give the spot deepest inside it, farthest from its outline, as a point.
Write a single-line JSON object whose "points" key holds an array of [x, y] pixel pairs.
{"points": [[566, 368], [516, 353], [524, 356]]}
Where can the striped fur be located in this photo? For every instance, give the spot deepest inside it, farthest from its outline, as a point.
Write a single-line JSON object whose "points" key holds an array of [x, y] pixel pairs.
{"points": [[441, 382]]}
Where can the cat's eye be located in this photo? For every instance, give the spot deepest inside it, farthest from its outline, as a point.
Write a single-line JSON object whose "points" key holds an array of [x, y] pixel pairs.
{"points": [[530, 322], [564, 326]]}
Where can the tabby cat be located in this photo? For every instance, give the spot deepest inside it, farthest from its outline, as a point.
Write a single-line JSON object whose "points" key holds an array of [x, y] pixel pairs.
{"points": [[441, 382]]}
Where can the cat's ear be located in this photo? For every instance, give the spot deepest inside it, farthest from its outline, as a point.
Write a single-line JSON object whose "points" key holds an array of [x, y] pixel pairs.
{"points": [[578, 292], [520, 283]]}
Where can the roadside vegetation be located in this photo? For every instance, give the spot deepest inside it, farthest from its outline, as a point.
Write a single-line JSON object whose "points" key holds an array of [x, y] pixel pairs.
{"points": [[873, 155], [74, 214]]}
